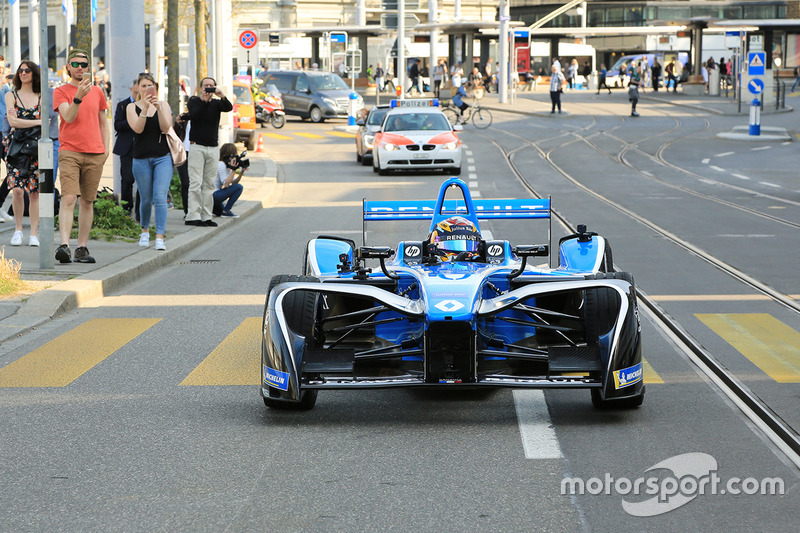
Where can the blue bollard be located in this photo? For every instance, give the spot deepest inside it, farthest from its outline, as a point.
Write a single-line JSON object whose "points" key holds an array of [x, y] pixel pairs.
{"points": [[351, 109], [755, 117]]}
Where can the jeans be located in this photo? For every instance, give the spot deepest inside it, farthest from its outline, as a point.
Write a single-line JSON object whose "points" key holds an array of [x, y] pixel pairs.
{"points": [[231, 194], [555, 98], [153, 176]]}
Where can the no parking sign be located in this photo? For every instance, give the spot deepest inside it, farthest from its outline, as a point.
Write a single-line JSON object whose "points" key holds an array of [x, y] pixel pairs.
{"points": [[248, 53]]}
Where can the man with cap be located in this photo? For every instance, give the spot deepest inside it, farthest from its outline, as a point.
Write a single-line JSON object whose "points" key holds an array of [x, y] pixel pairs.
{"points": [[84, 149]]}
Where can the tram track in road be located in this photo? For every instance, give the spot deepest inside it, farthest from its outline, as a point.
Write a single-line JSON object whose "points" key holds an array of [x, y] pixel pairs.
{"points": [[769, 423]]}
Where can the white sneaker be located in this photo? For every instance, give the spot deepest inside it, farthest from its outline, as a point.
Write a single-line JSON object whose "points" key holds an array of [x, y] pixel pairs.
{"points": [[160, 244], [144, 240], [33, 240], [16, 240], [5, 217]]}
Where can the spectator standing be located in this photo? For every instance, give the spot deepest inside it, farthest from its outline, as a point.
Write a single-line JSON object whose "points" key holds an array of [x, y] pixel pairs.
{"points": [[671, 76], [602, 83], [633, 92], [556, 63], [475, 77], [182, 127], [796, 77], [457, 74], [123, 147], [655, 74], [84, 139], [23, 105], [379, 77], [439, 74], [5, 128], [413, 75], [204, 114], [557, 82], [487, 80], [150, 118], [572, 73], [227, 186]]}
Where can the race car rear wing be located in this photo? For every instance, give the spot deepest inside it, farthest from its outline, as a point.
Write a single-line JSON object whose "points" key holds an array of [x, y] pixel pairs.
{"points": [[484, 209]]}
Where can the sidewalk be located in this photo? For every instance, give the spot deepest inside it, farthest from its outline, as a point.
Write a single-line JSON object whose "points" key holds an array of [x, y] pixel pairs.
{"points": [[65, 287], [537, 101]]}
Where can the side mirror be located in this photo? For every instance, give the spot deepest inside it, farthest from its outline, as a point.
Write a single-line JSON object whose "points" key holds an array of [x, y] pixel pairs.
{"points": [[458, 127], [360, 122]]}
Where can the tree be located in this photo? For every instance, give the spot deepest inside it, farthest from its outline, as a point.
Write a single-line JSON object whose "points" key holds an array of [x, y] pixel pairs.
{"points": [[200, 27], [83, 26], [173, 60]]}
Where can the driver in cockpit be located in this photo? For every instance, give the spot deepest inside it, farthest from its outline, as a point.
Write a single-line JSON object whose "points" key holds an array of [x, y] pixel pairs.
{"points": [[456, 239]]}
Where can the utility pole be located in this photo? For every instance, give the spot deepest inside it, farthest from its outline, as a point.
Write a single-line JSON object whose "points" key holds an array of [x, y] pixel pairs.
{"points": [[401, 51], [46, 197], [502, 75]]}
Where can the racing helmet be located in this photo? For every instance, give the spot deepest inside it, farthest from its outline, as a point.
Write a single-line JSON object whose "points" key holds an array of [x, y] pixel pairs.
{"points": [[455, 235]]}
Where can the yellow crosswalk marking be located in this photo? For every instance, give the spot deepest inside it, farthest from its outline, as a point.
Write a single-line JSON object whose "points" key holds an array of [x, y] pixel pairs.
{"points": [[235, 361], [310, 135], [67, 357], [342, 134], [278, 136], [767, 342], [650, 375]]}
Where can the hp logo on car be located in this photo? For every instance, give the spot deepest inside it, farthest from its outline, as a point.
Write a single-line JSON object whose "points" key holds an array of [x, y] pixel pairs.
{"points": [[495, 250], [413, 251]]}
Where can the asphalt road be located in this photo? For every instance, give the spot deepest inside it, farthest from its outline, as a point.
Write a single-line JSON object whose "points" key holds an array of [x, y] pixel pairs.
{"points": [[162, 427]]}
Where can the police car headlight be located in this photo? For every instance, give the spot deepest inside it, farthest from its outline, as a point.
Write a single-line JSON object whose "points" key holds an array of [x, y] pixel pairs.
{"points": [[389, 147], [450, 146], [368, 140]]}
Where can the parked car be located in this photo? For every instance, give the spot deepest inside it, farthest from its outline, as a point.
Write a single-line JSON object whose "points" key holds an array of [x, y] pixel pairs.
{"points": [[244, 115], [365, 135], [312, 94]]}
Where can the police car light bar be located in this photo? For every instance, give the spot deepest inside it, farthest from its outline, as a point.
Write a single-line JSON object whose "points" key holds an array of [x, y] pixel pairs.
{"points": [[417, 102]]}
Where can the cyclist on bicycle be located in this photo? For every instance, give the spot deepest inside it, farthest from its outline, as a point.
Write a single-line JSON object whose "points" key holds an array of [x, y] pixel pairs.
{"points": [[458, 99]]}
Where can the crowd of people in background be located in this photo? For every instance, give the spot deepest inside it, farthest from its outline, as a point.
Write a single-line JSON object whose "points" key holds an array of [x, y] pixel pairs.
{"points": [[78, 126]]}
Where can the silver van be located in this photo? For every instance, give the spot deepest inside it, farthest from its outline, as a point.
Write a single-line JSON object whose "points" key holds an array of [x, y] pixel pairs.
{"points": [[312, 94]]}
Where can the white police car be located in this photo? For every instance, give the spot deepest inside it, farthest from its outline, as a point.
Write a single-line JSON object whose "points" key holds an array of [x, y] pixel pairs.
{"points": [[416, 135]]}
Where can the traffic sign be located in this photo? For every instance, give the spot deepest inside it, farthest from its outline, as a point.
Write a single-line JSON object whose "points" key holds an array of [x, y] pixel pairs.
{"points": [[756, 86], [756, 62], [338, 38], [248, 39]]}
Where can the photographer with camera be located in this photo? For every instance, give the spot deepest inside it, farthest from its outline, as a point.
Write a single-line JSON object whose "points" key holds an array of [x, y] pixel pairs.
{"points": [[204, 114], [230, 168]]}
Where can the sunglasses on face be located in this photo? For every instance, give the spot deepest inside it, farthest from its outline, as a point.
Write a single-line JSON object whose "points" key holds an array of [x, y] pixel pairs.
{"points": [[25, 70], [77, 64]]}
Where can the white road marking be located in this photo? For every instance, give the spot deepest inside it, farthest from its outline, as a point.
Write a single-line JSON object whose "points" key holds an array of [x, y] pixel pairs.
{"points": [[768, 184], [760, 148], [473, 183], [470, 160], [475, 194], [723, 154], [718, 169], [538, 436], [740, 176], [705, 161], [787, 142], [647, 173], [471, 168], [473, 176]]}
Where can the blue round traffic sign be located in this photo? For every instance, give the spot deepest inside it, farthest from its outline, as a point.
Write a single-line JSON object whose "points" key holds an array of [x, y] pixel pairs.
{"points": [[756, 86], [248, 39]]}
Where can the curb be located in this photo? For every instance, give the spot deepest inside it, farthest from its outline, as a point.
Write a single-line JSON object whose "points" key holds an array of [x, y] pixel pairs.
{"points": [[44, 305]]}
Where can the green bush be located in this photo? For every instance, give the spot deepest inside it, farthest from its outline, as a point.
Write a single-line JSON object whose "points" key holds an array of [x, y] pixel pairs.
{"points": [[111, 221]]}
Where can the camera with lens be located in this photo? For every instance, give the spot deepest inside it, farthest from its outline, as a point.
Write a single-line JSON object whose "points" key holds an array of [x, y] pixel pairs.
{"points": [[234, 162]]}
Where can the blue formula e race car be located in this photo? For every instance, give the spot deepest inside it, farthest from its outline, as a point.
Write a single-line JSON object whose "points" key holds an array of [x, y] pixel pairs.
{"points": [[452, 311]]}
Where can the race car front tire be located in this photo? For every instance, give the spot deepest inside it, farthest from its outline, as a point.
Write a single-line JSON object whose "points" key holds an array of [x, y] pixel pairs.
{"points": [[300, 308]]}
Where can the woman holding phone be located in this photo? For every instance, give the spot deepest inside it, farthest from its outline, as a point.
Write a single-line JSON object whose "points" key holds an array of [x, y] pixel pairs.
{"points": [[23, 103], [150, 118]]}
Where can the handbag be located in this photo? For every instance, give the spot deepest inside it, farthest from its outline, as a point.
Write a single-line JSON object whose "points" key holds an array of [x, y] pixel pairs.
{"points": [[176, 148], [23, 146]]}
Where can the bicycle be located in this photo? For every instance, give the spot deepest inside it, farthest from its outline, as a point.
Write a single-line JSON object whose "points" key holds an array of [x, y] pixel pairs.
{"points": [[481, 118]]}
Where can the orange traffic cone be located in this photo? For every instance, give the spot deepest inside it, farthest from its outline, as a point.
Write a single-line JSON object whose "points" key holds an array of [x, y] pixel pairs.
{"points": [[260, 146]]}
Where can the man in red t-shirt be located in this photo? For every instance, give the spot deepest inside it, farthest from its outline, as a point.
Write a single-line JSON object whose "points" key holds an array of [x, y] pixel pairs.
{"points": [[83, 136]]}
